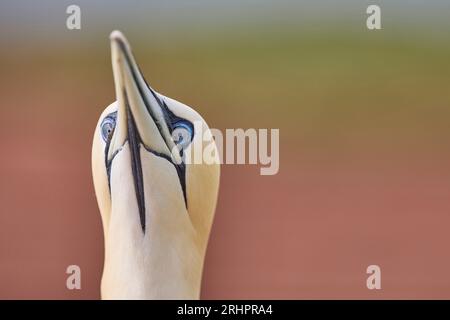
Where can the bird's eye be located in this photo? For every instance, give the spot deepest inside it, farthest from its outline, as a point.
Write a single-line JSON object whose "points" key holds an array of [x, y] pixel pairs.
{"points": [[107, 127], [182, 135]]}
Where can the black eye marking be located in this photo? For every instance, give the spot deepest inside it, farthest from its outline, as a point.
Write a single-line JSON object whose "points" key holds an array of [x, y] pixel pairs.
{"points": [[182, 135], [108, 125], [107, 129], [182, 131], [186, 128]]}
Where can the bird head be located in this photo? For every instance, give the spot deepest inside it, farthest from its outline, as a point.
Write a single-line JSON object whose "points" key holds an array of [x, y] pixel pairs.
{"points": [[156, 205]]}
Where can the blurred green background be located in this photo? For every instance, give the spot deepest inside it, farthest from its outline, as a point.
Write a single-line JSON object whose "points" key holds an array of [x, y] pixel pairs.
{"points": [[363, 118]]}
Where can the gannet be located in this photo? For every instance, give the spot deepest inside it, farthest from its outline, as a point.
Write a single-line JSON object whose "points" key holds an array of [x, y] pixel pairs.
{"points": [[156, 208]]}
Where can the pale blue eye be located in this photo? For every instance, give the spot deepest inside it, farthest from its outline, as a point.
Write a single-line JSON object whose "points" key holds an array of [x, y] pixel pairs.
{"points": [[182, 134], [107, 127]]}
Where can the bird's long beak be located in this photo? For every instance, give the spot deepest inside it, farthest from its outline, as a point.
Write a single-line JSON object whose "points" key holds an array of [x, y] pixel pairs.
{"points": [[136, 100], [140, 117]]}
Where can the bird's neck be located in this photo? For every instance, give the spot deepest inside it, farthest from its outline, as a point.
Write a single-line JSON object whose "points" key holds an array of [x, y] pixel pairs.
{"points": [[163, 263]]}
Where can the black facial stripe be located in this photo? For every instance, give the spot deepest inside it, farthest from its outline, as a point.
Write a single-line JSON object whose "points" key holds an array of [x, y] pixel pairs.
{"points": [[134, 141], [108, 163], [135, 78], [181, 170], [170, 118], [108, 143]]}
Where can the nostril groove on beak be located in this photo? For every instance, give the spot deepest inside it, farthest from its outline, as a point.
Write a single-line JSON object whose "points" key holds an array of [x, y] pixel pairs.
{"points": [[134, 142]]}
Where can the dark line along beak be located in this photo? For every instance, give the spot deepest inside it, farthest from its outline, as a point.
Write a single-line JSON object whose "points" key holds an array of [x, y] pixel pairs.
{"points": [[140, 118]]}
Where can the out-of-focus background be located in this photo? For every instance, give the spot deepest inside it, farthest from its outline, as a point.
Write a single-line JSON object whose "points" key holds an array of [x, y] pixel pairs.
{"points": [[364, 153]]}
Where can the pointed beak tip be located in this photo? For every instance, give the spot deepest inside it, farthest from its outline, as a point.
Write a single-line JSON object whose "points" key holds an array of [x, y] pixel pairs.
{"points": [[119, 51], [116, 35]]}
